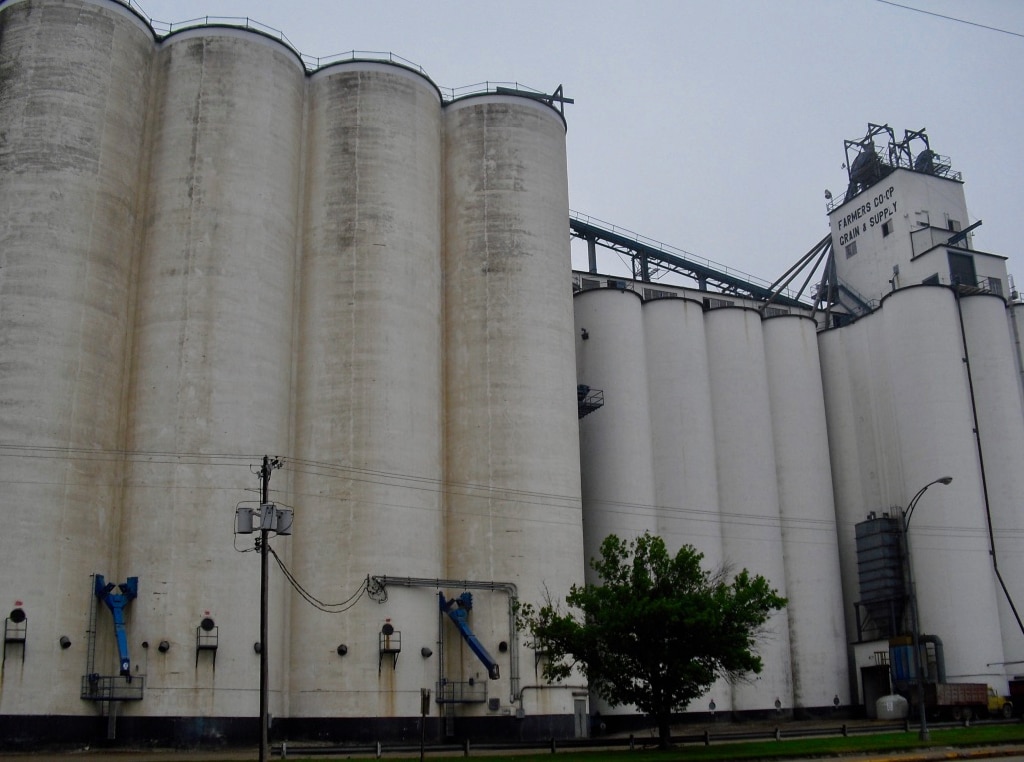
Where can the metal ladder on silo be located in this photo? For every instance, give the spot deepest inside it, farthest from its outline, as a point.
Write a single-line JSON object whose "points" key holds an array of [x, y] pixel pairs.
{"points": [[449, 719]]}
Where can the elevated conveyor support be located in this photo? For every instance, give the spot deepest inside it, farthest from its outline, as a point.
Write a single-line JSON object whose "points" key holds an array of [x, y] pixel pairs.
{"points": [[458, 610], [646, 253], [117, 602]]}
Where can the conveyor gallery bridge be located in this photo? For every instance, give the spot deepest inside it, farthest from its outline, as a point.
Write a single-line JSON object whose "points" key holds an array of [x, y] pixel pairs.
{"points": [[649, 257]]}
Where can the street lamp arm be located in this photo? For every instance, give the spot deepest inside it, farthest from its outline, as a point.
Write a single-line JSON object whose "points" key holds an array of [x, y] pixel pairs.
{"points": [[913, 501], [912, 597]]}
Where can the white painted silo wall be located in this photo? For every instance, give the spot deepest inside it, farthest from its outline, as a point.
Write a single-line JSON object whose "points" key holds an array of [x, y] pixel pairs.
{"points": [[72, 116], [211, 362], [616, 461], [511, 436], [1015, 314], [683, 451], [842, 413], [991, 353], [747, 491], [369, 396], [863, 441], [948, 535], [817, 630], [683, 447]]}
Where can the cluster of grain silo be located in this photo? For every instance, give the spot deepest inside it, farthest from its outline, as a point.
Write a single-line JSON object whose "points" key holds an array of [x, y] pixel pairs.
{"points": [[926, 387], [714, 440], [208, 254]]}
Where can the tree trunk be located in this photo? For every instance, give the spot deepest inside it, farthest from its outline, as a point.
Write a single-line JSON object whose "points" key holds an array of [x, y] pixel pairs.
{"points": [[664, 732]]}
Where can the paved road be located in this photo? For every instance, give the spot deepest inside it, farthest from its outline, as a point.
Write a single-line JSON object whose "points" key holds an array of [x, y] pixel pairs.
{"points": [[1009, 753]]}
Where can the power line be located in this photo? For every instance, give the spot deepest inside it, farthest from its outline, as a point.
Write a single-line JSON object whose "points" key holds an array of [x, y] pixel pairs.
{"points": [[950, 18], [330, 608]]}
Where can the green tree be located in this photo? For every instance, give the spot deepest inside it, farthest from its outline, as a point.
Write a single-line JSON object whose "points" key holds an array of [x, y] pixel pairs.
{"points": [[658, 631]]}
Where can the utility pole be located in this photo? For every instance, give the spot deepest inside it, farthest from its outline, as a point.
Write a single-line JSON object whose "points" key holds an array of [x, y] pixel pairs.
{"points": [[268, 467]]}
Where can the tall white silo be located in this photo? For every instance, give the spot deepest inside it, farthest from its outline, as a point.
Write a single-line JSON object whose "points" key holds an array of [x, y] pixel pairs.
{"points": [[683, 452], [748, 494], [369, 393], [616, 457], [511, 431], [682, 436], [72, 116], [931, 405], [211, 364], [1000, 422], [817, 630]]}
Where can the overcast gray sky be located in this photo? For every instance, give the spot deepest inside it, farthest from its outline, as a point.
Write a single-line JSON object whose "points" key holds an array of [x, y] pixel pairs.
{"points": [[715, 126]]}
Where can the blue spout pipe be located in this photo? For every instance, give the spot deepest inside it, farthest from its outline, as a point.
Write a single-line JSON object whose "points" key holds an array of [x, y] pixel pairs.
{"points": [[457, 610], [116, 602]]}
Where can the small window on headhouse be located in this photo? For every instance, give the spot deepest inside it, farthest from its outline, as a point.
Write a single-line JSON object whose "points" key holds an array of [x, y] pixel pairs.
{"points": [[886, 228], [851, 249], [954, 226]]}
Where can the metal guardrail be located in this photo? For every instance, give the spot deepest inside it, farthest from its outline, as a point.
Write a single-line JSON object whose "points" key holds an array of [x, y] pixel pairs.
{"points": [[782, 732], [460, 692], [112, 687], [312, 63]]}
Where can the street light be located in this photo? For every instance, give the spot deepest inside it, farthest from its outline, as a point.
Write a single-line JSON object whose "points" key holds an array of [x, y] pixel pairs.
{"points": [[915, 625]]}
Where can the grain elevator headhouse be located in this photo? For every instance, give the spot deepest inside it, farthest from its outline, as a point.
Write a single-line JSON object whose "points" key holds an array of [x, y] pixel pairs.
{"points": [[903, 220]]}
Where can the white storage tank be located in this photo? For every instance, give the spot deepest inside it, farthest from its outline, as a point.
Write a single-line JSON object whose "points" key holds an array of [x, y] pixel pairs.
{"points": [[809, 539], [683, 447], [511, 430], [683, 451], [369, 388], [991, 354], [891, 707], [863, 446], [747, 490], [211, 365], [948, 533], [72, 116], [616, 460]]}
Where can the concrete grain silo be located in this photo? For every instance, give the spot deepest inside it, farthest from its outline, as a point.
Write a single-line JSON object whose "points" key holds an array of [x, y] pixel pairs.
{"points": [[989, 350], [511, 434], [683, 450], [948, 533], [748, 494], [211, 251], [369, 393], [616, 446], [211, 370], [73, 100], [810, 549], [683, 453]]}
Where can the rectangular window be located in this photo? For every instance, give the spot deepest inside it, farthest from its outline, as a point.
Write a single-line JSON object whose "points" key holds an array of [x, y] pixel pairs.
{"points": [[712, 304], [995, 286], [654, 293], [886, 228], [589, 283], [851, 249]]}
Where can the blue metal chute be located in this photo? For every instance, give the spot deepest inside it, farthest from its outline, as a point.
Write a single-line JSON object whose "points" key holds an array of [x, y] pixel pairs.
{"points": [[116, 602], [458, 610]]}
